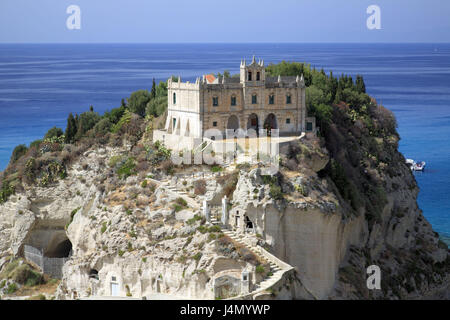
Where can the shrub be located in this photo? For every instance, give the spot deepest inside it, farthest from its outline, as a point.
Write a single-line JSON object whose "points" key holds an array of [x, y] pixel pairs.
{"points": [[144, 184], [202, 229], [86, 121], [197, 256], [36, 143], [104, 226], [12, 287], [126, 117], [214, 229], [260, 269], [23, 274], [137, 102], [102, 127], [6, 190], [53, 133], [18, 152], [216, 169], [72, 214], [194, 219], [127, 168], [181, 202]]}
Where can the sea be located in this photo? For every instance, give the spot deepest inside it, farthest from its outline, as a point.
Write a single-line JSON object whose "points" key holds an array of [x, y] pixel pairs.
{"points": [[40, 84]]}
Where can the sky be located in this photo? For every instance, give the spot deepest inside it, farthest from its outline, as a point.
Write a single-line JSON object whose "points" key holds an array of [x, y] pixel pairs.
{"points": [[149, 21]]}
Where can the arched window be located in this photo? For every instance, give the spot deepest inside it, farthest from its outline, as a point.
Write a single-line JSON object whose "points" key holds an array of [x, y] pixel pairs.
{"points": [[215, 101], [249, 76], [174, 98], [271, 99], [254, 99]]}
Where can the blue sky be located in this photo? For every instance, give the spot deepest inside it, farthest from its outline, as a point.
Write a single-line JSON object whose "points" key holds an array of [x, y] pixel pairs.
{"points": [[224, 21]]}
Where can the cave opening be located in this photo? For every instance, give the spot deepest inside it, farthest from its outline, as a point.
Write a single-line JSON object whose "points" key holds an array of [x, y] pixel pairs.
{"points": [[93, 274], [62, 249]]}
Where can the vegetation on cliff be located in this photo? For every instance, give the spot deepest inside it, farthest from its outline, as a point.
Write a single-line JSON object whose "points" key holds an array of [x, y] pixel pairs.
{"points": [[45, 160]]}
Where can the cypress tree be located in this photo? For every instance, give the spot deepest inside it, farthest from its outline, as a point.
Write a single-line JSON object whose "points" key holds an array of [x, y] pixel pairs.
{"points": [[360, 85], [153, 92], [71, 129]]}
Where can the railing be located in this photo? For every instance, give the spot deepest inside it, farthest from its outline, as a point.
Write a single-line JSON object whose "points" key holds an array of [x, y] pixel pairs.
{"points": [[50, 266]]}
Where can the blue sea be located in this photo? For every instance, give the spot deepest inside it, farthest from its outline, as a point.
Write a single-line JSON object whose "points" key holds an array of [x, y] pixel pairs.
{"points": [[41, 83]]}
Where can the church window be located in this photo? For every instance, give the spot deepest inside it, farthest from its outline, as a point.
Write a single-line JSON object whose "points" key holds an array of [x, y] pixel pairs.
{"points": [[214, 123], [215, 101], [288, 120], [174, 98], [258, 76], [254, 99], [288, 99], [249, 76], [271, 99], [233, 100]]}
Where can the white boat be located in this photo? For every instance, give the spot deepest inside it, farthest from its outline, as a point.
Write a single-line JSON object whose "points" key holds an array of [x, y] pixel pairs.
{"points": [[419, 166], [416, 166]]}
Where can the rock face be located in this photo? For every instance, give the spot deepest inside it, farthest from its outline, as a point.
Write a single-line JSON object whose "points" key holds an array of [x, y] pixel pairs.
{"points": [[127, 238]]}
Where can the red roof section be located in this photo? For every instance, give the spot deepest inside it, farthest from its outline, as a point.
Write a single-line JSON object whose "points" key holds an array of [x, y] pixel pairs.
{"points": [[210, 78]]}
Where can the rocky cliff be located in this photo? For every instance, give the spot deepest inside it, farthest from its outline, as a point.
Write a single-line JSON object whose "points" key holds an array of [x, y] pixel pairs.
{"points": [[340, 203]]}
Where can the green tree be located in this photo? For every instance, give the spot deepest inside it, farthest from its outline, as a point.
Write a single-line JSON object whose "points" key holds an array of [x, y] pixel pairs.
{"points": [[86, 121], [71, 129], [153, 92], [360, 85], [138, 100], [53, 132]]}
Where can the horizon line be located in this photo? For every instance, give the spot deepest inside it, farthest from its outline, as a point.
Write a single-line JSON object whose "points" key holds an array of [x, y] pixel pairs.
{"points": [[240, 42]]}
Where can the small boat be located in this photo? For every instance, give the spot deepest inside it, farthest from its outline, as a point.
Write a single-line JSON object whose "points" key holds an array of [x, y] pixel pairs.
{"points": [[419, 166], [415, 166]]}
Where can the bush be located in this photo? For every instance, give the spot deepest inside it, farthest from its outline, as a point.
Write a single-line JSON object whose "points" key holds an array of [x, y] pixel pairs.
{"points": [[197, 256], [193, 219], [53, 133], [6, 190], [102, 127], [127, 168], [23, 274], [216, 168], [86, 121], [137, 102], [18, 152], [104, 226], [126, 117], [11, 288], [259, 269], [157, 106]]}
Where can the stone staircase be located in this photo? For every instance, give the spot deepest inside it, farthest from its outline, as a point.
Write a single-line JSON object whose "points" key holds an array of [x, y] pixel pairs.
{"points": [[277, 268]]}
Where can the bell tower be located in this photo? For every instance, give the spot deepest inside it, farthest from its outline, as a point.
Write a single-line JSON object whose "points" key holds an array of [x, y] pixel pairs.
{"points": [[254, 73]]}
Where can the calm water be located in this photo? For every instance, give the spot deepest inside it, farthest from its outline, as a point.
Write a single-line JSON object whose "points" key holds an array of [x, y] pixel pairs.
{"points": [[41, 84]]}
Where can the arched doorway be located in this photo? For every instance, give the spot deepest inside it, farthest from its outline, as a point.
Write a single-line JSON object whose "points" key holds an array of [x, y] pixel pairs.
{"points": [[270, 123], [233, 123], [252, 122]]}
